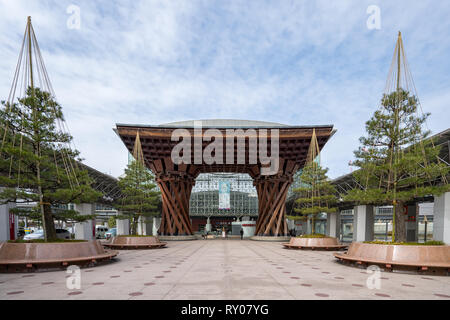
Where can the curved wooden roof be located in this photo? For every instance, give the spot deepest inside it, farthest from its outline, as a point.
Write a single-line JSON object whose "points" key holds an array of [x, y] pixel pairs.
{"points": [[157, 145]]}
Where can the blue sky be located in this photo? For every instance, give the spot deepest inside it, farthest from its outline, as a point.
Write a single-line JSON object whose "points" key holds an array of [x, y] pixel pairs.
{"points": [[294, 62]]}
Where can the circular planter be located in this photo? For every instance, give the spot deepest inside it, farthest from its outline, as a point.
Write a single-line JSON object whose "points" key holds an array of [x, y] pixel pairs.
{"points": [[269, 238], [31, 256], [327, 243], [400, 257], [125, 242]]}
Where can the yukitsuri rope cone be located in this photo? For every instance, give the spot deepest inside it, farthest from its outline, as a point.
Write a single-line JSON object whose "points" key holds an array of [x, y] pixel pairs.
{"points": [[130, 241], [401, 171], [37, 162], [317, 199]]}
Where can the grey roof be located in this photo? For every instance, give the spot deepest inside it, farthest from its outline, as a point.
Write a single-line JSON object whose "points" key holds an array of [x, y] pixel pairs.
{"points": [[347, 181], [104, 183], [223, 123], [229, 123], [441, 139]]}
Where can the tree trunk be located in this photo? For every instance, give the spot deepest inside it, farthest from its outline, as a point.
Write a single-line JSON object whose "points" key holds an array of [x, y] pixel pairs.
{"points": [[134, 221], [49, 223], [400, 222]]}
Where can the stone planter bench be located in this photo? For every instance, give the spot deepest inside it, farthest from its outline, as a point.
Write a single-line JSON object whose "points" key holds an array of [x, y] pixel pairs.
{"points": [[32, 256], [180, 238], [328, 243], [124, 242], [401, 257]]}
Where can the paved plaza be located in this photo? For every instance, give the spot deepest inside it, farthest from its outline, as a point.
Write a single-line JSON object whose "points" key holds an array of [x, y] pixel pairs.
{"points": [[223, 269]]}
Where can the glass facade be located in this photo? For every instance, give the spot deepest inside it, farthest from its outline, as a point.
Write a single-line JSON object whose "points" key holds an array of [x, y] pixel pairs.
{"points": [[320, 223], [383, 223], [346, 225], [425, 228], [382, 229], [204, 199]]}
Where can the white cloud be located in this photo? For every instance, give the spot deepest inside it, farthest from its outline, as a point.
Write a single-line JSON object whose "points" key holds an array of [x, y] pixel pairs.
{"points": [[297, 62]]}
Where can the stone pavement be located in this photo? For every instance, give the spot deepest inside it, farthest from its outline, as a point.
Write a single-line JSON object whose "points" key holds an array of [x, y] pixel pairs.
{"points": [[223, 269]]}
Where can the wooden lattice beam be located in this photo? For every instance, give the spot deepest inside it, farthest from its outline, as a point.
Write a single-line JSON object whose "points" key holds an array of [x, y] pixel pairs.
{"points": [[272, 192], [175, 194]]}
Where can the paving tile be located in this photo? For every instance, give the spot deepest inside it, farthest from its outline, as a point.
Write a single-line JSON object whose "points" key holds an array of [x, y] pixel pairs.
{"points": [[223, 269], [14, 292], [440, 295], [322, 295], [382, 295]]}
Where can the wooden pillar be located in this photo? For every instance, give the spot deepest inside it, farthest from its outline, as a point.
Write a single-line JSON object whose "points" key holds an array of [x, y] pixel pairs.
{"points": [[272, 192], [175, 193]]}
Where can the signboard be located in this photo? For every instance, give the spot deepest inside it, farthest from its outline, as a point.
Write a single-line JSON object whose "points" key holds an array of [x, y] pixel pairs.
{"points": [[12, 227], [224, 194]]}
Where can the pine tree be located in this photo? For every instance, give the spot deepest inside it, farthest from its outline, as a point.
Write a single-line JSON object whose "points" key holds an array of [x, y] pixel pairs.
{"points": [[140, 195], [112, 222], [397, 163], [36, 163], [316, 194]]}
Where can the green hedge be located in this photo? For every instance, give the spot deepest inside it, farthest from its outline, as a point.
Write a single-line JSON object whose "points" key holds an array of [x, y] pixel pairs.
{"points": [[428, 243], [124, 235], [315, 235]]}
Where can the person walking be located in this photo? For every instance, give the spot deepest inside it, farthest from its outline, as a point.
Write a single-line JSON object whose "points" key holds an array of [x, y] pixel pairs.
{"points": [[242, 233]]}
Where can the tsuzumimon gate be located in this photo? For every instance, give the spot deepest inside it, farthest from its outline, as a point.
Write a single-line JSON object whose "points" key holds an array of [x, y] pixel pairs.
{"points": [[237, 146]]}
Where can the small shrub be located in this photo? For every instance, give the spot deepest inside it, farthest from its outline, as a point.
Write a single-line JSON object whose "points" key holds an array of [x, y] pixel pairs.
{"points": [[130, 235], [428, 243], [315, 235]]}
